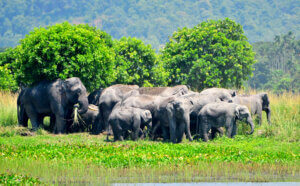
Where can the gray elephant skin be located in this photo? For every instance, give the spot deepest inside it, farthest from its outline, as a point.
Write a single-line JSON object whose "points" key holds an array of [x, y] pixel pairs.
{"points": [[222, 93], [256, 104], [54, 99], [109, 97], [222, 114], [123, 119], [176, 91]]}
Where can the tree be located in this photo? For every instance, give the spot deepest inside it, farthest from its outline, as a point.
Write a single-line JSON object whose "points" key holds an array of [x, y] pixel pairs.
{"points": [[63, 51], [7, 77], [213, 53], [137, 64]]}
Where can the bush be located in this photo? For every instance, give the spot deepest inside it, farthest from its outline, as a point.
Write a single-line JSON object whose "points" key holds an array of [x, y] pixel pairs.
{"points": [[63, 51]]}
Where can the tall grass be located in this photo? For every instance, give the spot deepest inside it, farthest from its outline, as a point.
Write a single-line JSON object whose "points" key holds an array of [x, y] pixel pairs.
{"points": [[8, 109]]}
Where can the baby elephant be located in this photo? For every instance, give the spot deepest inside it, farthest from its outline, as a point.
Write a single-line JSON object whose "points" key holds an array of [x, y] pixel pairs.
{"points": [[220, 114], [85, 120], [124, 119]]}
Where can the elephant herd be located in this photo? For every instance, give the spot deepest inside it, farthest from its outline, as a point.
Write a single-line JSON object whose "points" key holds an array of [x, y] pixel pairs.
{"points": [[137, 112]]}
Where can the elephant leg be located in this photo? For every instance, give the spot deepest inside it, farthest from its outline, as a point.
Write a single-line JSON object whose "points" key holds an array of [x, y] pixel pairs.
{"points": [[33, 116], [23, 117], [229, 127], [180, 131], [234, 130], [60, 124], [204, 128], [187, 127], [165, 133], [259, 119]]}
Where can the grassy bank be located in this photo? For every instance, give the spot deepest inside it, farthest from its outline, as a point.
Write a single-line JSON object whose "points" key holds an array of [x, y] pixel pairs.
{"points": [[271, 154]]}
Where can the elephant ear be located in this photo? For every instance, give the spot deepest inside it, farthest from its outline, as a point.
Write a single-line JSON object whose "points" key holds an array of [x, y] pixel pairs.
{"points": [[265, 99]]}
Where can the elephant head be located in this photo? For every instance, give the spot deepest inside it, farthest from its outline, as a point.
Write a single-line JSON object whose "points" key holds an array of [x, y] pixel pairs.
{"points": [[76, 93], [265, 105], [146, 118], [242, 113]]}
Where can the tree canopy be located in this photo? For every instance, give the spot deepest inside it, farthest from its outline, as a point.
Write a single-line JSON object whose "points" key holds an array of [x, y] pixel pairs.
{"points": [[137, 63], [63, 51], [278, 66], [213, 53]]}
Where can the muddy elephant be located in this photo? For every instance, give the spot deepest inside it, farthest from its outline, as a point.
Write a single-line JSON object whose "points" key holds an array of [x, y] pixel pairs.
{"points": [[176, 91], [110, 96], [51, 99], [221, 93], [222, 114], [124, 119], [256, 104]]}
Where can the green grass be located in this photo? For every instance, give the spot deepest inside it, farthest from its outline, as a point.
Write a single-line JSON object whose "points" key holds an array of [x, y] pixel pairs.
{"points": [[272, 153]]}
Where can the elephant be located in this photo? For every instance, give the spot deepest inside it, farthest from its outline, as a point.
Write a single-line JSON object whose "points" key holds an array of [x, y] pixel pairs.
{"points": [[123, 119], [256, 104], [153, 104], [219, 114], [94, 97], [51, 98], [174, 114], [182, 113], [178, 90], [221, 93], [110, 96], [85, 120]]}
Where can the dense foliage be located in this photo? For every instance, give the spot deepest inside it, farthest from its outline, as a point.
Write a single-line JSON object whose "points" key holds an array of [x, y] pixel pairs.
{"points": [[7, 76], [63, 51], [151, 21], [137, 64], [213, 53], [278, 64]]}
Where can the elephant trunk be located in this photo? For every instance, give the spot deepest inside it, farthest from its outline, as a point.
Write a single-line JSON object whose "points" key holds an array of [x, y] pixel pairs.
{"points": [[83, 105], [250, 122], [268, 112]]}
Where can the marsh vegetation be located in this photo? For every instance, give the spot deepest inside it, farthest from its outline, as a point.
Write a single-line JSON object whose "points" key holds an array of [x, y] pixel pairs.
{"points": [[271, 154]]}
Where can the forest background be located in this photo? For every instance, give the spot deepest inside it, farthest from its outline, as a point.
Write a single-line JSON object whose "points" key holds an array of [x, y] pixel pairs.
{"points": [[272, 27]]}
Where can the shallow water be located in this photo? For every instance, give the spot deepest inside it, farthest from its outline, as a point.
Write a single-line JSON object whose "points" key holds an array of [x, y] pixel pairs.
{"points": [[213, 184]]}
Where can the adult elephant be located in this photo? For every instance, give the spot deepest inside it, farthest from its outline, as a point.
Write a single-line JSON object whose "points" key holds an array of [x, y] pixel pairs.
{"points": [[256, 104], [216, 115], [221, 93], [176, 91], [54, 99], [124, 119], [110, 96]]}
